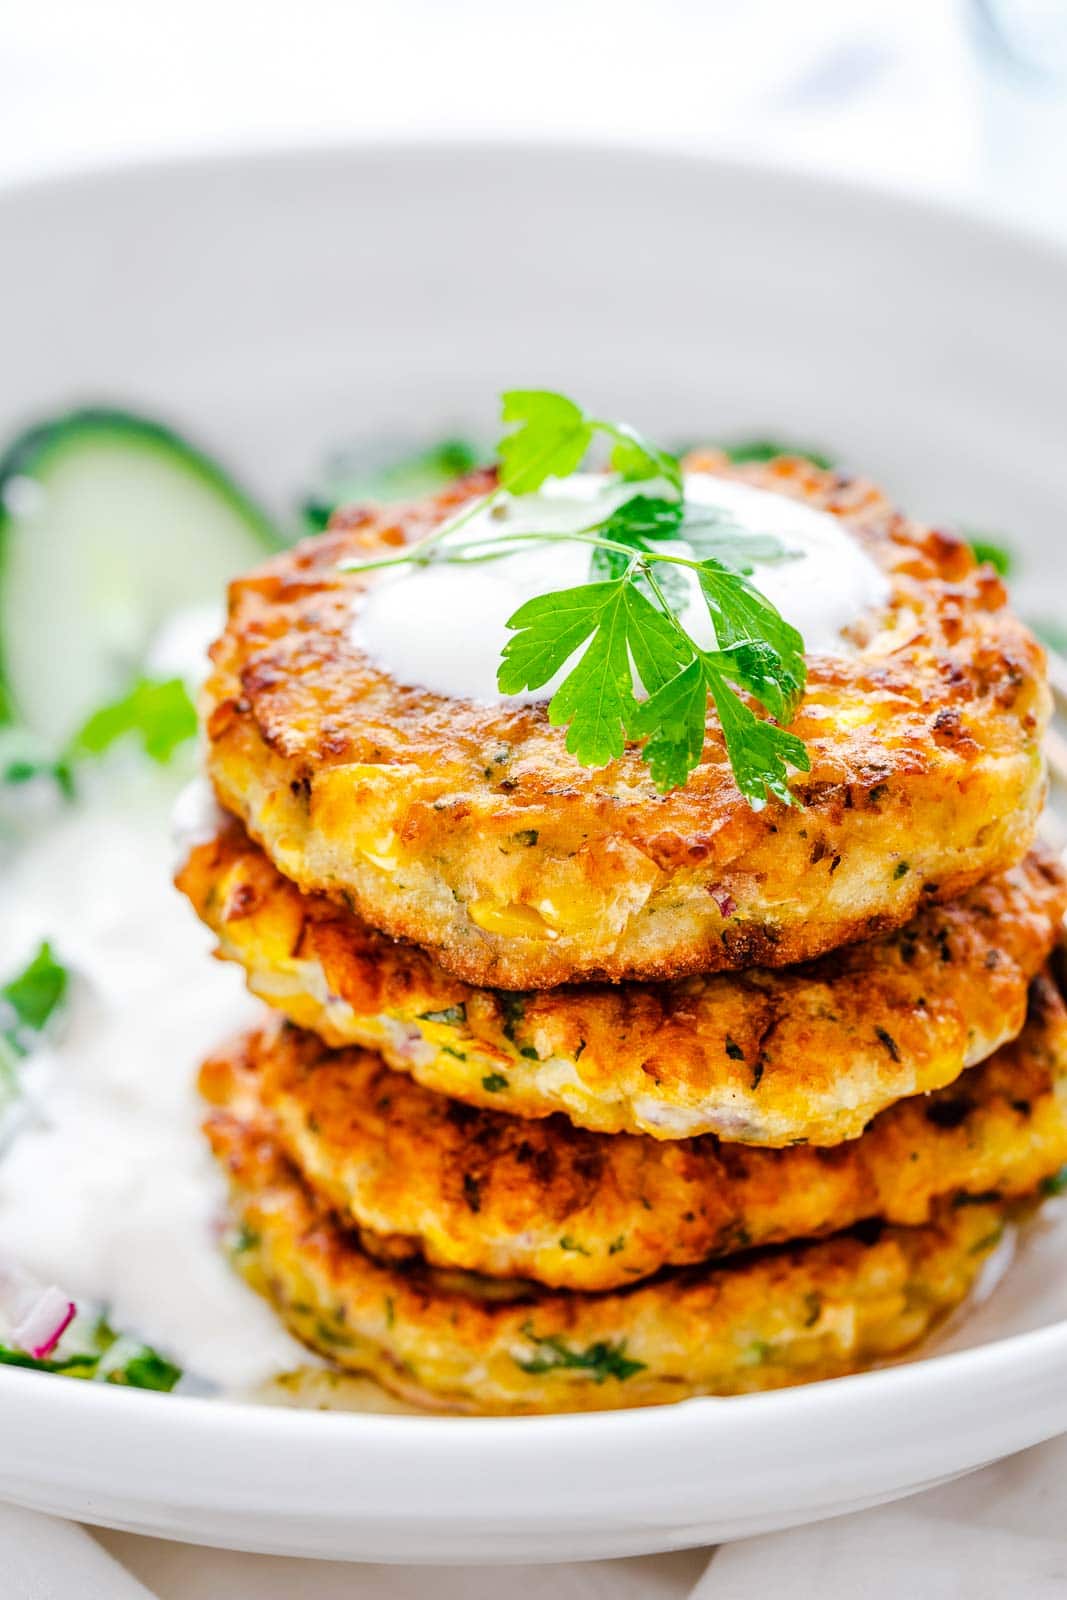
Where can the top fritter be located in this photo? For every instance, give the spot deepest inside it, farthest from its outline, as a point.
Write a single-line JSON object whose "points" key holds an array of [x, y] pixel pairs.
{"points": [[467, 826]]}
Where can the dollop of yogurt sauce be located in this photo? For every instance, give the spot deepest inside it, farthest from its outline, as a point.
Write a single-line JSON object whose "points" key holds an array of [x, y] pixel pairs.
{"points": [[443, 626], [106, 1184], [107, 1188]]}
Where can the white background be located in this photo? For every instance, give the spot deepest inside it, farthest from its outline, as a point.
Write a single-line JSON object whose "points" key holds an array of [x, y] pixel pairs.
{"points": [[890, 89]]}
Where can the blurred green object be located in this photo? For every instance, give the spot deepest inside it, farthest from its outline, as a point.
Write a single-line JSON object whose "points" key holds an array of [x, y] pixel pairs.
{"points": [[767, 449], [1052, 632], [160, 714], [35, 992], [996, 552], [24, 757], [386, 471]]}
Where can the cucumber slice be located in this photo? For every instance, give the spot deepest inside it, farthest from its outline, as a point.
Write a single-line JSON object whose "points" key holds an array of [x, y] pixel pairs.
{"points": [[109, 523]]}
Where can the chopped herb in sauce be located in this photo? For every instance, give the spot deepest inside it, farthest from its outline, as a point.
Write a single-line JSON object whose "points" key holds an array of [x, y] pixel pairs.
{"points": [[28, 1001], [454, 1016], [109, 1358], [601, 1360], [513, 1007]]}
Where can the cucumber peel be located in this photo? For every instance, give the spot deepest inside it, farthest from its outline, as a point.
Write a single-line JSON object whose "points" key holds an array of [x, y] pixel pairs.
{"points": [[109, 523]]}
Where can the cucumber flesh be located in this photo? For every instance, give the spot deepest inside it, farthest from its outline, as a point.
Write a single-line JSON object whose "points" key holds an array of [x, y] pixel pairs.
{"points": [[109, 523]]}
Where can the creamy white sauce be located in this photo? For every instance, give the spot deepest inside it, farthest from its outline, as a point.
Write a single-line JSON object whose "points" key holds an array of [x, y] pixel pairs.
{"points": [[196, 819], [443, 626], [106, 1185], [180, 648]]}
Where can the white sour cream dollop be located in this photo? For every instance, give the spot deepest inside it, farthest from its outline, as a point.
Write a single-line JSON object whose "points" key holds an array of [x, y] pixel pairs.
{"points": [[443, 626]]}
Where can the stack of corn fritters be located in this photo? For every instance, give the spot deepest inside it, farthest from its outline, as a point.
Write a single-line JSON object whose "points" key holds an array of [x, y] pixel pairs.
{"points": [[583, 1096]]}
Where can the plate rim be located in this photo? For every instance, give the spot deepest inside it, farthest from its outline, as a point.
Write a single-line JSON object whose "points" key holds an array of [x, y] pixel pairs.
{"points": [[960, 209]]}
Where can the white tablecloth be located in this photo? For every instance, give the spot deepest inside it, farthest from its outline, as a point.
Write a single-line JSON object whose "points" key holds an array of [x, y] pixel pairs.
{"points": [[1000, 1532]]}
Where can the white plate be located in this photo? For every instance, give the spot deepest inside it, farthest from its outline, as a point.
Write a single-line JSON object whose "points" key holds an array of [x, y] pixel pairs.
{"points": [[276, 304]]}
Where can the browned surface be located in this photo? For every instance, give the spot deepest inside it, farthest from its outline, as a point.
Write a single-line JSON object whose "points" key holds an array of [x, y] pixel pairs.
{"points": [[491, 1194], [462, 1343], [768, 1056], [435, 816]]}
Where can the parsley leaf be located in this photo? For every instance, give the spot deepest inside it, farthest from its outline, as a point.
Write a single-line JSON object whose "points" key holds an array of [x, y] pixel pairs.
{"points": [[550, 628], [740, 613], [27, 1002], [618, 625], [674, 719], [628, 666], [634, 459], [711, 533], [625, 635], [551, 440], [760, 752], [596, 698], [37, 990], [139, 1367], [553, 437], [159, 712], [638, 523]]}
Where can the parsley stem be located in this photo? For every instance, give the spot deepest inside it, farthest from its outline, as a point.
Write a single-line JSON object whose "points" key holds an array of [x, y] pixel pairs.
{"points": [[580, 536], [665, 605], [496, 549], [626, 611], [442, 531], [406, 558]]}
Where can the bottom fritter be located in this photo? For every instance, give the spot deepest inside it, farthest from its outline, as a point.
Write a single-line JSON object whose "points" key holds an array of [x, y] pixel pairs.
{"points": [[454, 1341]]}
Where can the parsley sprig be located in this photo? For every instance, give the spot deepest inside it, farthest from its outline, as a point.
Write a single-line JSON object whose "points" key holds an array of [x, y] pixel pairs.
{"points": [[636, 671]]}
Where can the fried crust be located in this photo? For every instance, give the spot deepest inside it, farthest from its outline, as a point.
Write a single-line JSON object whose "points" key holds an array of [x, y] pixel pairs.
{"points": [[462, 1343], [469, 829], [766, 1057], [477, 1190]]}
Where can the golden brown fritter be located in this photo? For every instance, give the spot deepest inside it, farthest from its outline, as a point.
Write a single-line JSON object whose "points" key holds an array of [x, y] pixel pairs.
{"points": [[487, 1193], [469, 828], [767, 1056], [451, 1340]]}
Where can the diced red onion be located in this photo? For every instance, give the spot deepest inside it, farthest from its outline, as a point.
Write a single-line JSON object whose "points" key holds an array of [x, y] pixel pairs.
{"points": [[408, 1043], [43, 1323], [724, 900]]}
